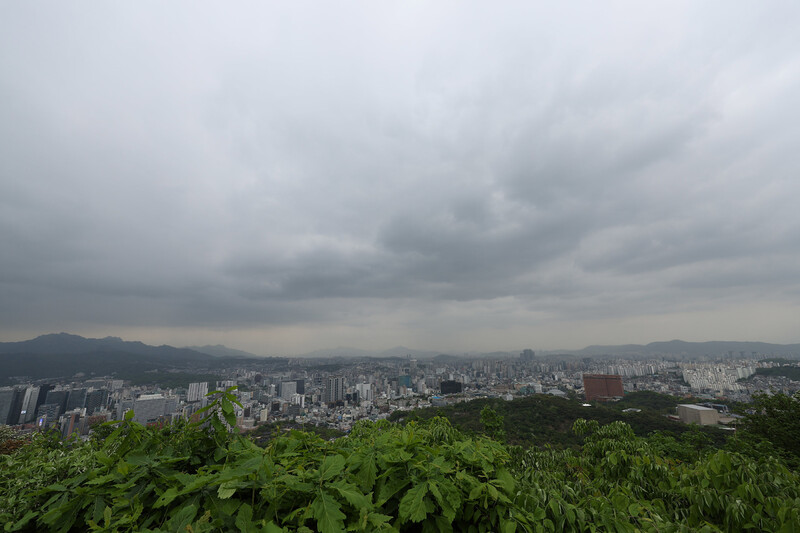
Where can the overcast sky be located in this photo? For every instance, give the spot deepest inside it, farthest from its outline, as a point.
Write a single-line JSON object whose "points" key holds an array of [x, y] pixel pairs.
{"points": [[451, 176]]}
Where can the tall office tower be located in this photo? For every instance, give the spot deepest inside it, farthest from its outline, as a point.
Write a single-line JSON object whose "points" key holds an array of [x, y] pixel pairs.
{"points": [[76, 399], [58, 397], [43, 390], [222, 385], [96, 400], [148, 408], [197, 391], [288, 389], [450, 386], [10, 405], [301, 385], [364, 392], [48, 413], [602, 387], [334, 389], [28, 412], [122, 407], [527, 355], [70, 424]]}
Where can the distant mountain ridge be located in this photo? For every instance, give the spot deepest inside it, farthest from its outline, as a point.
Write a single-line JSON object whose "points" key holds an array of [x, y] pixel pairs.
{"points": [[397, 351], [692, 349], [66, 343], [63, 355], [219, 350]]}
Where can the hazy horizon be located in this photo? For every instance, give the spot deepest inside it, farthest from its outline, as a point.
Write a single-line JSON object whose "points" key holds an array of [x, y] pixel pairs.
{"points": [[359, 351], [458, 176]]}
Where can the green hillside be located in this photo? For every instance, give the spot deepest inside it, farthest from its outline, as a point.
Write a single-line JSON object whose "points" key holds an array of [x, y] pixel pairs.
{"points": [[423, 476], [541, 419]]}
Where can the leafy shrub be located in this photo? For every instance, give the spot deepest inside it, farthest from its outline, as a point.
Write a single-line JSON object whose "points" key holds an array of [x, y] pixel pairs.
{"points": [[421, 477]]}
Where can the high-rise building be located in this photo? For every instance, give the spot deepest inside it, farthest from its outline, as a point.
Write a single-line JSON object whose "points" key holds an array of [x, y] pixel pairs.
{"points": [[122, 407], [28, 412], [197, 391], [602, 387], [70, 423], [288, 389], [96, 400], [364, 392], [76, 399], [334, 389], [43, 390], [58, 397], [48, 413], [149, 408], [10, 404], [226, 384], [449, 386], [527, 355]]}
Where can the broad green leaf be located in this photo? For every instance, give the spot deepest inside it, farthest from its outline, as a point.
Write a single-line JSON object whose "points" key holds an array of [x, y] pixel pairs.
{"points": [[331, 466], [226, 490], [99, 506], [22, 522], [166, 498], [367, 471], [271, 527], [353, 496], [244, 519], [507, 526], [412, 505], [377, 519], [326, 511], [394, 485], [181, 518], [476, 492]]}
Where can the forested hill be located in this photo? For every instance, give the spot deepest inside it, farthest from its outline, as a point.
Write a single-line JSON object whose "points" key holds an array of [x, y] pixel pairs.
{"points": [[541, 419], [64, 355]]}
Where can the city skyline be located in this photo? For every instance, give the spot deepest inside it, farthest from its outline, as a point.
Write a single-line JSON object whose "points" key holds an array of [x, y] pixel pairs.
{"points": [[452, 177]]}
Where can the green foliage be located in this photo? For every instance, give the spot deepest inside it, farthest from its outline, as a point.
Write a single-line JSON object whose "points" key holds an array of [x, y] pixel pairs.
{"points": [[382, 477], [264, 433], [620, 482], [542, 420], [776, 419], [791, 371], [493, 424], [661, 403], [220, 411], [421, 477]]}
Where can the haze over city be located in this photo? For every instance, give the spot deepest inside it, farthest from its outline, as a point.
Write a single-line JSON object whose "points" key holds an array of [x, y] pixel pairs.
{"points": [[458, 176]]}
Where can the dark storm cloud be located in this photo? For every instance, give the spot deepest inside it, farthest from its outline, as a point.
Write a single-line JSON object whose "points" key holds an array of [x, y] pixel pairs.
{"points": [[360, 167]]}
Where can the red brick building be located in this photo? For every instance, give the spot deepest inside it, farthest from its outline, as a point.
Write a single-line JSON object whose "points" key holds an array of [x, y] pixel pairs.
{"points": [[602, 387]]}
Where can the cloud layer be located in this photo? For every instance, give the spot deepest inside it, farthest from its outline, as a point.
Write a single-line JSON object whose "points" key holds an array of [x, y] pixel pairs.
{"points": [[286, 177]]}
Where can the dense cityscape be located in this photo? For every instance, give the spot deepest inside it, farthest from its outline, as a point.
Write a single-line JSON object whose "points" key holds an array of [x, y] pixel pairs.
{"points": [[337, 392]]}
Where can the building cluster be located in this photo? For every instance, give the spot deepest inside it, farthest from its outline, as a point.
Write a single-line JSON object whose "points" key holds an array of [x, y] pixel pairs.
{"points": [[71, 409], [718, 377], [336, 392]]}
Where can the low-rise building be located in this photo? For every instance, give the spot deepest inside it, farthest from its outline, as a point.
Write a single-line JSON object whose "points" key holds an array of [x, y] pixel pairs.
{"points": [[698, 414]]}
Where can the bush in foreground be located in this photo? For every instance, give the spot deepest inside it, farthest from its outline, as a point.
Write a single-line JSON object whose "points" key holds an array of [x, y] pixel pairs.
{"points": [[384, 477]]}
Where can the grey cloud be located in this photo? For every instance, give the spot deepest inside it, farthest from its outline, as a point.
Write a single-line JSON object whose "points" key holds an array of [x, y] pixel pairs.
{"points": [[288, 167]]}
